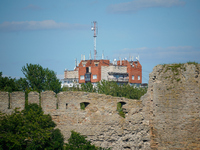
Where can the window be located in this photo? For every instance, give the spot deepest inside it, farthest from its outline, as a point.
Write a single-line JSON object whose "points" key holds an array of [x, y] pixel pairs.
{"points": [[120, 109], [132, 77], [138, 77], [94, 76], [87, 69], [83, 105], [82, 77], [66, 105]]}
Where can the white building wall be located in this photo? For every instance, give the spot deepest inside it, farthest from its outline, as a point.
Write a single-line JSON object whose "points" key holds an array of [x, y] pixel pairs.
{"points": [[116, 69], [71, 74]]}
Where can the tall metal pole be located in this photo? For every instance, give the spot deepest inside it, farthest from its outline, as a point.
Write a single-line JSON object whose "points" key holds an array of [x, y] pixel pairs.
{"points": [[95, 35]]}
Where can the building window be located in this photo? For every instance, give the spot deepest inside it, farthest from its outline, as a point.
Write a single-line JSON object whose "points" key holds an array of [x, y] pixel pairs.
{"points": [[132, 77], [138, 77], [82, 77], [94, 76]]}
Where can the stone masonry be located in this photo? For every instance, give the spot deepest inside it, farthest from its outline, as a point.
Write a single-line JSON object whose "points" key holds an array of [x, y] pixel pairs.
{"points": [[172, 107], [166, 117], [100, 121]]}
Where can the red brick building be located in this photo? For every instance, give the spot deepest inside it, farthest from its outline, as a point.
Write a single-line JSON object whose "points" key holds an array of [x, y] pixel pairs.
{"points": [[90, 70], [96, 70]]}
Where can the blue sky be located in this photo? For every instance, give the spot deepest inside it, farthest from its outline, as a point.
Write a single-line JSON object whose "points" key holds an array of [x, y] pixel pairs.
{"points": [[55, 33]]}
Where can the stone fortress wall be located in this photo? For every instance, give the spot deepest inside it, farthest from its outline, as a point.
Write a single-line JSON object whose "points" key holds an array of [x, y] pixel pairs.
{"points": [[172, 106], [100, 121], [166, 117]]}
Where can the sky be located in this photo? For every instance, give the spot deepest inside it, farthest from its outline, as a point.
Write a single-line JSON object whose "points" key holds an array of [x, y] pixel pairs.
{"points": [[55, 33]]}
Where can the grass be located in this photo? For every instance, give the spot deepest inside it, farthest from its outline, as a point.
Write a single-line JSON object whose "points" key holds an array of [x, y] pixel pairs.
{"points": [[176, 69], [192, 62], [120, 110], [82, 106]]}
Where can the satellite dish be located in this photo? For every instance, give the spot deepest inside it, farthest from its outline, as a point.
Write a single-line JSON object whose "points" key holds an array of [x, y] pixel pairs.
{"points": [[92, 28]]}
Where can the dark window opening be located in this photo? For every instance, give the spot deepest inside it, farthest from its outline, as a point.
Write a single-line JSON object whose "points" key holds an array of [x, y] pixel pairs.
{"points": [[120, 110], [122, 103], [127, 147], [83, 105], [87, 69], [66, 105]]}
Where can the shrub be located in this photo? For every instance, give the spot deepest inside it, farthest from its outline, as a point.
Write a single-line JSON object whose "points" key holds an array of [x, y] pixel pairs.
{"points": [[29, 129], [120, 110], [79, 142]]}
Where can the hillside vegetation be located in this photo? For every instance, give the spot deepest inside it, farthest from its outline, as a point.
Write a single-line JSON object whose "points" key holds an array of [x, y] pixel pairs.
{"points": [[111, 88]]}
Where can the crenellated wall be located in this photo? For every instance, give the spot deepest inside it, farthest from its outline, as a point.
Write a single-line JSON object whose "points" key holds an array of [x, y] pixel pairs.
{"points": [[100, 120], [166, 117]]}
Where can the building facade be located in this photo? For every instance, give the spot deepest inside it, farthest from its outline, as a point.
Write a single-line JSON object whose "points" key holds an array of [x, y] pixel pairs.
{"points": [[122, 71]]}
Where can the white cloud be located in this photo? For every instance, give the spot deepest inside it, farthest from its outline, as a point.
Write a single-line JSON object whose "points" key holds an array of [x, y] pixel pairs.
{"points": [[39, 25], [136, 5], [173, 54]]}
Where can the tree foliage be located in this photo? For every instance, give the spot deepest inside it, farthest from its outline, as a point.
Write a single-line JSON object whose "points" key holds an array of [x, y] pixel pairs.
{"points": [[111, 88], [41, 79], [88, 87], [36, 78], [79, 142], [7, 84], [125, 90], [30, 130]]}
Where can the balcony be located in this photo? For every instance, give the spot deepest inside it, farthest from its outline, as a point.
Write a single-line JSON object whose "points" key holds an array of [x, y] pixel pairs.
{"points": [[88, 77], [120, 79]]}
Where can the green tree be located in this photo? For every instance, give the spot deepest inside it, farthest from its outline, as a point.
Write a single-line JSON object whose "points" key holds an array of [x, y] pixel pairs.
{"points": [[30, 130], [41, 79], [125, 90], [79, 142], [22, 85], [8, 84], [88, 87]]}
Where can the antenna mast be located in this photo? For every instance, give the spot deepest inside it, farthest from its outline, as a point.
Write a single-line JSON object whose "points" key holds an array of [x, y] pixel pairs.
{"points": [[94, 28]]}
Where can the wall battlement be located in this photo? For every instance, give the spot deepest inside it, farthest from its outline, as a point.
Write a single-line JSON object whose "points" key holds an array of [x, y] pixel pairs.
{"points": [[100, 120], [166, 117]]}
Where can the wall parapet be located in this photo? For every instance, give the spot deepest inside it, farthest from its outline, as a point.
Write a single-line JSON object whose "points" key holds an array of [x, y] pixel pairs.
{"points": [[166, 117], [99, 121]]}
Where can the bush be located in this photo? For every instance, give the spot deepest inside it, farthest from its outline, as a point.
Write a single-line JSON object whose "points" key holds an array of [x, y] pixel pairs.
{"points": [[120, 110], [79, 142], [29, 129]]}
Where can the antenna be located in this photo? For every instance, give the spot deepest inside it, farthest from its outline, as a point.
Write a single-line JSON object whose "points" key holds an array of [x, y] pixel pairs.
{"points": [[115, 62], [90, 56], [137, 58], [102, 56], [75, 63], [94, 28], [120, 61]]}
